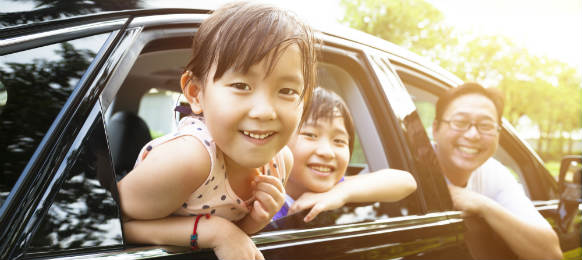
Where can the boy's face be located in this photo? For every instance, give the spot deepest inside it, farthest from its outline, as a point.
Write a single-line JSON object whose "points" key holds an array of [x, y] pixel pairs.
{"points": [[321, 155], [252, 115]]}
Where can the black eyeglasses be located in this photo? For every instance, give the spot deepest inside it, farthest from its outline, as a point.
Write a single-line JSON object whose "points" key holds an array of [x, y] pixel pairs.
{"points": [[484, 127]]}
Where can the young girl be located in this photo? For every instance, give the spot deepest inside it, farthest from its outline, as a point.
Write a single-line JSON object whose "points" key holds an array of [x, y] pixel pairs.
{"points": [[251, 73], [322, 148]]}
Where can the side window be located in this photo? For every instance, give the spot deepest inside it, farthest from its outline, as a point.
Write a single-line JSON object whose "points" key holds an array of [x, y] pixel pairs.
{"points": [[425, 103], [83, 213], [335, 76], [337, 79], [34, 86], [156, 108]]}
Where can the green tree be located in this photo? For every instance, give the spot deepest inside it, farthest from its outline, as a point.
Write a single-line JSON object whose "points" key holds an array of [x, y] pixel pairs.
{"points": [[414, 24], [546, 91]]}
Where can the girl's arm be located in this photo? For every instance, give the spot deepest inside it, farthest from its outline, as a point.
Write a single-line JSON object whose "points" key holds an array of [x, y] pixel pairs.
{"points": [[385, 185], [227, 240], [270, 195], [164, 179]]}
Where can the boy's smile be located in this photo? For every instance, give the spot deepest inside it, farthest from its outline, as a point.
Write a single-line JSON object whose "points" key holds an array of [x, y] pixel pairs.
{"points": [[321, 154]]}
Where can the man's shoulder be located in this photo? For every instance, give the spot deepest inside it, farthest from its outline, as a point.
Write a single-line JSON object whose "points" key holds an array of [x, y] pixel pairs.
{"points": [[494, 173], [492, 167]]}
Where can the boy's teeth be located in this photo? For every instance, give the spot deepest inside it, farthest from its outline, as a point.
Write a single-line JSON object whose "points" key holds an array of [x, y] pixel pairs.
{"points": [[468, 150], [321, 168]]}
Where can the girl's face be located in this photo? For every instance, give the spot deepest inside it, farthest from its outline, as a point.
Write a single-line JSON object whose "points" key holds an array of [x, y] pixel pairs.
{"points": [[321, 154], [252, 116]]}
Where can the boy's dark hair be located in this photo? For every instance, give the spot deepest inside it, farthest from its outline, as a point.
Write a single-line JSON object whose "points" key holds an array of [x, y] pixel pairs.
{"points": [[241, 34], [492, 94], [326, 104]]}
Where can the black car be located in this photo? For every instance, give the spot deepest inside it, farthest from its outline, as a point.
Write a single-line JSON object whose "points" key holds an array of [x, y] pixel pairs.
{"points": [[81, 94]]}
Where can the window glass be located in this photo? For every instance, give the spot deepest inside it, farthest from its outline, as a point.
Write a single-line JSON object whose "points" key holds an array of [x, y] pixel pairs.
{"points": [[83, 213], [34, 86], [339, 80], [157, 110]]}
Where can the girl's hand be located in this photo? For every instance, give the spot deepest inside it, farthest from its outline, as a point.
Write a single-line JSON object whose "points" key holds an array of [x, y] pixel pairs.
{"points": [[318, 202], [233, 243], [269, 194]]}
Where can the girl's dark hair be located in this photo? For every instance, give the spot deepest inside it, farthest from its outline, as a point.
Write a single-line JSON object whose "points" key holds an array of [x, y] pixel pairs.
{"points": [[241, 34], [492, 94], [326, 104]]}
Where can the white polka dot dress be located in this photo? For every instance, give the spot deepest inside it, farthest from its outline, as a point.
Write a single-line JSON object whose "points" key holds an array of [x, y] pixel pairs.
{"points": [[215, 196]]}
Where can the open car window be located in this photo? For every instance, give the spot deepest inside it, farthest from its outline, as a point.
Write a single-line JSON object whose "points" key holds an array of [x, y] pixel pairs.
{"points": [[150, 89], [425, 103]]}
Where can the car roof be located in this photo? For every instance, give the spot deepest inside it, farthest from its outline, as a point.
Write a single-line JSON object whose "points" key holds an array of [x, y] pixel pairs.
{"points": [[57, 12]]}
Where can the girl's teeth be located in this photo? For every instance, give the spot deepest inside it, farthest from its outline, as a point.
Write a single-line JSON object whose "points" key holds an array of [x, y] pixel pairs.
{"points": [[256, 136], [468, 150]]}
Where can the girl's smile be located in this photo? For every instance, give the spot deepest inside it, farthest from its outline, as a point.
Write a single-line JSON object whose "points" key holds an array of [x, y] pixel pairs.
{"points": [[251, 115], [258, 137]]}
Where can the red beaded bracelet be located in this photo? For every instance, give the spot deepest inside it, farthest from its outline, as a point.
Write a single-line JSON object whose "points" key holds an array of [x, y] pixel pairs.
{"points": [[194, 236]]}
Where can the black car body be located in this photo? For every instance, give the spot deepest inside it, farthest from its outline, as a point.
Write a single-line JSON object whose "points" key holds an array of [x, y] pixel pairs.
{"points": [[75, 91]]}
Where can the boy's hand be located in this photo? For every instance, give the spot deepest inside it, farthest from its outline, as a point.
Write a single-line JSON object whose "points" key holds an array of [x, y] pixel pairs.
{"points": [[318, 202], [269, 195]]}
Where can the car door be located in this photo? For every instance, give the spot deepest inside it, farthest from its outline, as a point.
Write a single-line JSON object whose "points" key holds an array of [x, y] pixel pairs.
{"points": [[53, 199], [416, 226], [425, 85]]}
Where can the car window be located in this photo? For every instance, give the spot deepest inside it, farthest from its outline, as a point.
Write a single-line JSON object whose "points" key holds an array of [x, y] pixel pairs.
{"points": [[149, 92], [84, 213], [157, 109], [334, 75], [34, 86], [426, 106]]}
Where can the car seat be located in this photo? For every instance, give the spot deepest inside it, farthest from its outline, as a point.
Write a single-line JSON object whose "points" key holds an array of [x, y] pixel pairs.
{"points": [[128, 133]]}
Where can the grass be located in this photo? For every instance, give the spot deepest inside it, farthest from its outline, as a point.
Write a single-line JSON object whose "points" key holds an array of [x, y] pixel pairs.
{"points": [[573, 254], [553, 167]]}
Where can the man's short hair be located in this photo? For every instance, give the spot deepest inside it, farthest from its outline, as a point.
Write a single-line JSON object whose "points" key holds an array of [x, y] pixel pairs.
{"points": [[492, 94]]}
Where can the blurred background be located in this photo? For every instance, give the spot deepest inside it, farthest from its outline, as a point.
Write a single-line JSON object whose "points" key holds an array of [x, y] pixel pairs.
{"points": [[530, 49]]}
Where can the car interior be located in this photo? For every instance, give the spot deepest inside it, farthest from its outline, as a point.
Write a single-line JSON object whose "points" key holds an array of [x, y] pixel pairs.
{"points": [[139, 105], [134, 117]]}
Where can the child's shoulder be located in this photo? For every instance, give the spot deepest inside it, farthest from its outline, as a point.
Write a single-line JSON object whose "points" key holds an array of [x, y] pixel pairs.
{"points": [[189, 149], [185, 150]]}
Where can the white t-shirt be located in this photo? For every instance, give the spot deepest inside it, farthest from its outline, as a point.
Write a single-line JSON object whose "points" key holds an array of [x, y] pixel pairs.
{"points": [[495, 181]]}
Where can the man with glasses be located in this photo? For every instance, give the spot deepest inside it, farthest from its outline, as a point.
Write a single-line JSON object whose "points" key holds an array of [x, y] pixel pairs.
{"points": [[466, 130]]}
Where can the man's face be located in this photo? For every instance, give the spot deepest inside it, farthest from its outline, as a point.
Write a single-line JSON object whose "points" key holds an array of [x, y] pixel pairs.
{"points": [[463, 151]]}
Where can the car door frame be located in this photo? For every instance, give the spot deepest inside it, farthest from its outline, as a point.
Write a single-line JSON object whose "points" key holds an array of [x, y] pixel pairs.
{"points": [[32, 194], [541, 186], [281, 243]]}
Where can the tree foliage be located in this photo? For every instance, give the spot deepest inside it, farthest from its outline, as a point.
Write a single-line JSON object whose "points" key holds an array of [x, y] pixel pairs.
{"points": [[545, 90]]}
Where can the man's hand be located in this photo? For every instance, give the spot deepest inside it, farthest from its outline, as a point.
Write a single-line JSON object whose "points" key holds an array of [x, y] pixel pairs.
{"points": [[269, 195], [318, 202], [470, 203]]}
